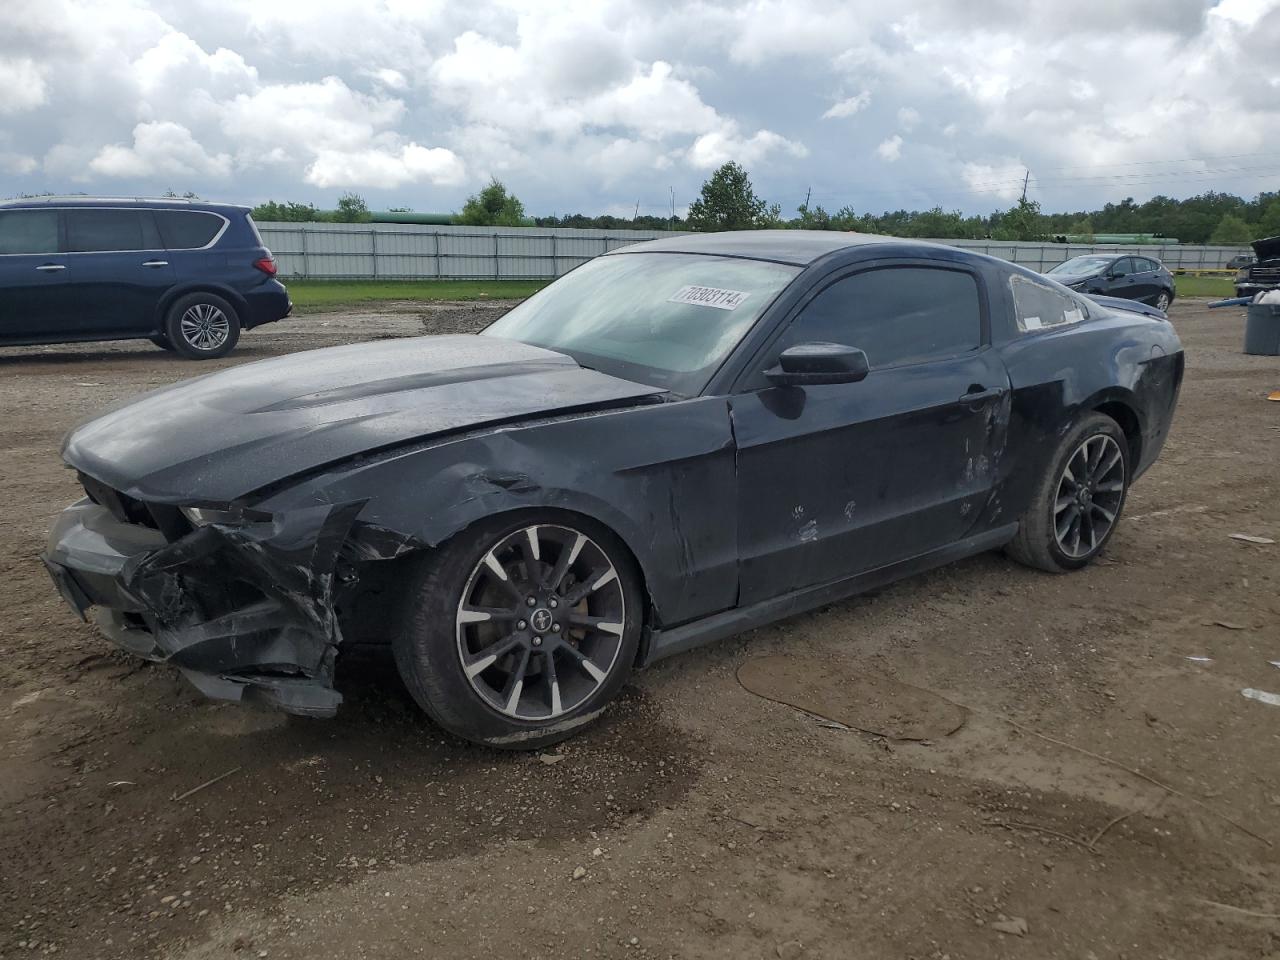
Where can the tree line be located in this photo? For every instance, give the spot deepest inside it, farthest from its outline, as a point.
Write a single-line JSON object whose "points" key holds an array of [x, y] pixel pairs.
{"points": [[728, 201]]}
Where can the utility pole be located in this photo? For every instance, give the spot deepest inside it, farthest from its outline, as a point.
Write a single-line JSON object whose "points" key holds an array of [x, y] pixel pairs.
{"points": [[808, 192], [1025, 181], [673, 207], [636, 216]]}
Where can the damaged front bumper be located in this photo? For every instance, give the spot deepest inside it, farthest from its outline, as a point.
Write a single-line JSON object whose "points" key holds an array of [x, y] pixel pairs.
{"points": [[245, 611]]}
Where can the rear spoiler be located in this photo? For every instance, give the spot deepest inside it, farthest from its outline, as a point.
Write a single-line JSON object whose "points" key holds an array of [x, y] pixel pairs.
{"points": [[1132, 306]]}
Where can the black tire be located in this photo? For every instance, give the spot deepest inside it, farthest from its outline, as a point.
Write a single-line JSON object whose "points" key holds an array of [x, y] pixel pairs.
{"points": [[433, 638], [1164, 299], [202, 326], [1040, 542], [161, 341]]}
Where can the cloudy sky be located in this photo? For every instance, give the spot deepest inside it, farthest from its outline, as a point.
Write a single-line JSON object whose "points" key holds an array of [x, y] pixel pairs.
{"points": [[595, 106]]}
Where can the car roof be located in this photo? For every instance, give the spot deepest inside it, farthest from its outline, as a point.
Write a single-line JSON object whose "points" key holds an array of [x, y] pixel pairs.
{"points": [[150, 203], [797, 247]]}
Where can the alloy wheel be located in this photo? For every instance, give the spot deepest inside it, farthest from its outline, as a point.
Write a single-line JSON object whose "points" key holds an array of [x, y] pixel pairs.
{"points": [[204, 326], [540, 622], [1162, 301], [1090, 492]]}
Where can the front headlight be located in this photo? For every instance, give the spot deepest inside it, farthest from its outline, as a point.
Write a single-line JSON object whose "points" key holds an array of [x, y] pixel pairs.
{"points": [[203, 516], [1242, 274]]}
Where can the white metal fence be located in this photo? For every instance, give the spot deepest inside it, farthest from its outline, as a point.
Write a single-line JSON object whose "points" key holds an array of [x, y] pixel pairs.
{"points": [[393, 251]]}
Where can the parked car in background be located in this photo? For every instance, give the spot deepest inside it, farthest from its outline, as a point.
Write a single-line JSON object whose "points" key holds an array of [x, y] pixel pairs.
{"points": [[1126, 276], [677, 441], [1262, 274], [186, 275], [1239, 262]]}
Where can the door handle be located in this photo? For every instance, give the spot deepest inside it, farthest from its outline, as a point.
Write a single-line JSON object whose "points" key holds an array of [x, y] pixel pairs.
{"points": [[51, 267], [155, 263], [976, 397]]}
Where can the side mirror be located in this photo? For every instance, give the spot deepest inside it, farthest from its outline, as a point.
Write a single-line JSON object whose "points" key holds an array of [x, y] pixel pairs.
{"points": [[817, 363]]}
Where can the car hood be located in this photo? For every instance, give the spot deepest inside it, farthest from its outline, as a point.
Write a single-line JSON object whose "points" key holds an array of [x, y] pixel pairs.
{"points": [[220, 437], [1267, 249]]}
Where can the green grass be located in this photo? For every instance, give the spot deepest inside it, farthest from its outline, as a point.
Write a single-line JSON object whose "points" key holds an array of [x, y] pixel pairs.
{"points": [[317, 296], [1219, 287]]}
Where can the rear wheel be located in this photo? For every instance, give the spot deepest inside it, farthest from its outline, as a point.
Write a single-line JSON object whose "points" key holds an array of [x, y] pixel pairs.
{"points": [[202, 326], [1163, 300], [521, 630], [1078, 502]]}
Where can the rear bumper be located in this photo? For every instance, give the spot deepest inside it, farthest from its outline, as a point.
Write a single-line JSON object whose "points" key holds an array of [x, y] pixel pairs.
{"points": [[244, 612], [266, 304]]}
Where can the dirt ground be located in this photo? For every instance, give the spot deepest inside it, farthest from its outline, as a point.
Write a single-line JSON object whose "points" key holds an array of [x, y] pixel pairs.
{"points": [[708, 822]]}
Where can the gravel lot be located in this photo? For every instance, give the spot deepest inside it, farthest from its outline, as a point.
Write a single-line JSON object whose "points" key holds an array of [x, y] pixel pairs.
{"points": [[707, 821]]}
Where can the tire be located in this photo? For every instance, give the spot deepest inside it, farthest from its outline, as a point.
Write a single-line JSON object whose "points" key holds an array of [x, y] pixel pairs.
{"points": [[1040, 541], [202, 326], [1163, 299], [161, 341], [492, 668]]}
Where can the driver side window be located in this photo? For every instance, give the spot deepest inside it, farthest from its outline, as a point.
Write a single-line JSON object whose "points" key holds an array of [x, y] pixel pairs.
{"points": [[896, 315]]}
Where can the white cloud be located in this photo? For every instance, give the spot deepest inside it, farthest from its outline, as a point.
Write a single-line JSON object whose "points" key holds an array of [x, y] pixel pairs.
{"points": [[713, 149], [1002, 179], [385, 168], [22, 84], [848, 106], [586, 103], [890, 150], [160, 149], [18, 164]]}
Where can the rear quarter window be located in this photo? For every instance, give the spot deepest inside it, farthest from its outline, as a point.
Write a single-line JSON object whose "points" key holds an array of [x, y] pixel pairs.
{"points": [[29, 231], [187, 229], [1038, 306]]}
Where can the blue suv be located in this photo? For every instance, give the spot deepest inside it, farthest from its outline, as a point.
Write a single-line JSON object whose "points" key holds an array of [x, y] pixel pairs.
{"points": [[186, 275]]}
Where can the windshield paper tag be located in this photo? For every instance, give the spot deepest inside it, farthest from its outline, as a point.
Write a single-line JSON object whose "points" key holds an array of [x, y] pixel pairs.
{"points": [[708, 297]]}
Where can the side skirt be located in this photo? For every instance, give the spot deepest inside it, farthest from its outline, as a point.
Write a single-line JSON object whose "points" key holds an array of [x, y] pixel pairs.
{"points": [[665, 643]]}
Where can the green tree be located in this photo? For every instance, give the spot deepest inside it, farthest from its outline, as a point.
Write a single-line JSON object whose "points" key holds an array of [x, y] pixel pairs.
{"points": [[188, 195], [1231, 231], [815, 219], [728, 202], [288, 212], [1081, 227], [1269, 223], [491, 207], [1021, 222], [352, 209]]}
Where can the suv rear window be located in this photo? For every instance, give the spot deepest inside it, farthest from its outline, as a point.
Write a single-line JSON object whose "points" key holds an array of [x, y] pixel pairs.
{"points": [[187, 229], [103, 231], [29, 231]]}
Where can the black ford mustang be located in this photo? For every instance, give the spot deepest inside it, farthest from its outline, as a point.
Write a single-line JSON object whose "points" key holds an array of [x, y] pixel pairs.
{"points": [[675, 442]]}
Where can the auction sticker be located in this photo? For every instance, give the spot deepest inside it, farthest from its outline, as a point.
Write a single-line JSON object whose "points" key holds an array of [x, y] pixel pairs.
{"points": [[708, 297]]}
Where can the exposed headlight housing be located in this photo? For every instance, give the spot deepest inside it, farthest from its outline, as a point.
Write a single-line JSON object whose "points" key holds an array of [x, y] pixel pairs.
{"points": [[232, 515], [1242, 274]]}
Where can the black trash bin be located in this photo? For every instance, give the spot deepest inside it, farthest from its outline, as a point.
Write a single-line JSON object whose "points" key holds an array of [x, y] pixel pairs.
{"points": [[1262, 330]]}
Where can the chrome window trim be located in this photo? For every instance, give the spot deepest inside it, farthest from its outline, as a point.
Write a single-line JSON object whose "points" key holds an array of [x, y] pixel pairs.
{"points": [[226, 223]]}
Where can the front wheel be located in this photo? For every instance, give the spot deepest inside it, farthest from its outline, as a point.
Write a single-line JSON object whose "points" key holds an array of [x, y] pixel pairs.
{"points": [[202, 326], [520, 630], [1077, 503]]}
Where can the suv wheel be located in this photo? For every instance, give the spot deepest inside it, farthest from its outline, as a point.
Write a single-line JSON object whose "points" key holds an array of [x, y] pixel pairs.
{"points": [[519, 631], [202, 326]]}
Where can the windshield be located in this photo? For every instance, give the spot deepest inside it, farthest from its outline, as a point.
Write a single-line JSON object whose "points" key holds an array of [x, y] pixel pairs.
{"points": [[1080, 266], [664, 319]]}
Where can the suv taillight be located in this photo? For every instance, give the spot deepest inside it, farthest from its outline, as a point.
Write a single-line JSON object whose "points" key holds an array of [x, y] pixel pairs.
{"points": [[267, 265]]}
